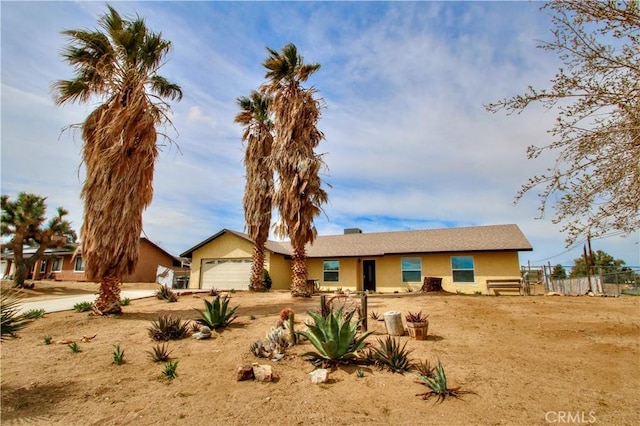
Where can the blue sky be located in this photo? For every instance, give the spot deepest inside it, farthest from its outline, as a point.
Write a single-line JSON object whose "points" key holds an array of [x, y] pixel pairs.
{"points": [[408, 144]]}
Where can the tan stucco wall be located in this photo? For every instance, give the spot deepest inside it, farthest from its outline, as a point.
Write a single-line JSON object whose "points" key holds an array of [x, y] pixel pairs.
{"points": [[489, 265], [226, 246], [280, 272]]}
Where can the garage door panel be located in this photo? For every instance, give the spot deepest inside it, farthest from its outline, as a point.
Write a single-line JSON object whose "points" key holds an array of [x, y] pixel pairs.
{"points": [[226, 274]]}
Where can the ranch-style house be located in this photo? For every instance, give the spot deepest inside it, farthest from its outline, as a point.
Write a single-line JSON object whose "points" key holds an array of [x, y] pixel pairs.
{"points": [[464, 259]]}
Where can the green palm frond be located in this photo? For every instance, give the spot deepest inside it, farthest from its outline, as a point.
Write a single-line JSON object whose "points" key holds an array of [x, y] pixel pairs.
{"points": [[11, 319]]}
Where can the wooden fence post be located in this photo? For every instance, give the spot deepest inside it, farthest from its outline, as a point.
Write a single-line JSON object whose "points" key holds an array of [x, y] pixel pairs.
{"points": [[324, 311]]}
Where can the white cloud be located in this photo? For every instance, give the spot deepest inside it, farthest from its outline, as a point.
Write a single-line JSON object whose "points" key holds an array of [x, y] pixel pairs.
{"points": [[409, 144]]}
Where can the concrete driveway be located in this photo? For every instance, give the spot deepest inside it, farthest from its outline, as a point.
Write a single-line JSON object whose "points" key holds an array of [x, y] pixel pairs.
{"points": [[66, 303]]}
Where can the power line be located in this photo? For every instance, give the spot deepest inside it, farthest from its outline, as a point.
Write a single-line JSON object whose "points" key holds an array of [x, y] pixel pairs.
{"points": [[560, 254]]}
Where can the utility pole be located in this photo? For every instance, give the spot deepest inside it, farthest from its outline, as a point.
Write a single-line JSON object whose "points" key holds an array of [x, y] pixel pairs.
{"points": [[591, 265], [587, 264]]}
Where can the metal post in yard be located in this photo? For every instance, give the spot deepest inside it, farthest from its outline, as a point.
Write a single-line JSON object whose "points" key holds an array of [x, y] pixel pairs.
{"points": [[363, 309]]}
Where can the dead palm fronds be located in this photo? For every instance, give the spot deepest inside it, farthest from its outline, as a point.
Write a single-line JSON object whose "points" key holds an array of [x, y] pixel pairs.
{"points": [[299, 195], [258, 191], [120, 65]]}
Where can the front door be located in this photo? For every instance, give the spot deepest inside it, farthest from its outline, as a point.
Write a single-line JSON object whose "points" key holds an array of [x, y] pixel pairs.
{"points": [[369, 275]]}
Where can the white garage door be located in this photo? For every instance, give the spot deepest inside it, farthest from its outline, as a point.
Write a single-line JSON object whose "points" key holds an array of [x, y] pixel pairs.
{"points": [[226, 274]]}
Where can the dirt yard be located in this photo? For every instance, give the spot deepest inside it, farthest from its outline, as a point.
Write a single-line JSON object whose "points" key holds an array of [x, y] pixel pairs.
{"points": [[527, 360]]}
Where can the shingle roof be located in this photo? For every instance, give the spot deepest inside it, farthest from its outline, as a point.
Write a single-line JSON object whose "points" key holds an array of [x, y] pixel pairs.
{"points": [[466, 239], [476, 238]]}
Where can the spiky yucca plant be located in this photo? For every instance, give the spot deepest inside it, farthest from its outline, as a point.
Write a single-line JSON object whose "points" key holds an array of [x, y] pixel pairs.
{"points": [[334, 337], [217, 313], [167, 327], [389, 354], [165, 293], [416, 317], [12, 319], [160, 353], [425, 368]]}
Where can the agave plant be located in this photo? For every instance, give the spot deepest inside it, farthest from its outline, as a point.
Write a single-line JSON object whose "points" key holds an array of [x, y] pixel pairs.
{"points": [[438, 385], [334, 337], [12, 319], [217, 313]]}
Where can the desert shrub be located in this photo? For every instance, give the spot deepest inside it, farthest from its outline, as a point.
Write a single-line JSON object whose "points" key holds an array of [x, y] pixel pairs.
{"points": [[83, 306], [11, 318], [438, 385], [390, 355], [333, 337], [33, 314], [167, 327], [47, 339], [217, 313], [118, 355], [170, 369], [195, 327], [165, 293], [425, 368], [267, 280], [160, 353], [416, 317], [74, 347], [125, 301]]}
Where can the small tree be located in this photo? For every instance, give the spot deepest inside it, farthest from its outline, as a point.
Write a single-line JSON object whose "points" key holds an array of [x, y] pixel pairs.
{"points": [[558, 272], [603, 264], [23, 220], [597, 132]]}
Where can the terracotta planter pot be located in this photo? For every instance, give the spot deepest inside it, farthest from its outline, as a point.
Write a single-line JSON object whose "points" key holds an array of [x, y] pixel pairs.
{"points": [[418, 330]]}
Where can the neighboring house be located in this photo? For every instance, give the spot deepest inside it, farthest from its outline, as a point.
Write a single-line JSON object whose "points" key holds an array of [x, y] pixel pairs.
{"points": [[66, 265], [465, 258]]}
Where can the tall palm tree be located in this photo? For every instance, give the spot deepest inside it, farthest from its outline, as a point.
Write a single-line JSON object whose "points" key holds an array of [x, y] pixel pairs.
{"points": [[299, 195], [258, 190], [118, 65]]}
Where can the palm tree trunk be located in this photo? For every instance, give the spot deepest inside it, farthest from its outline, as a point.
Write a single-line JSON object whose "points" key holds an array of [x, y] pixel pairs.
{"points": [[299, 273], [257, 269], [108, 302]]}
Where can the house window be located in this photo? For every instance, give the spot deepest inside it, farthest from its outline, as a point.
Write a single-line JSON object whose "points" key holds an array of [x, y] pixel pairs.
{"points": [[56, 265], [78, 266], [411, 269], [43, 266], [331, 270], [462, 269]]}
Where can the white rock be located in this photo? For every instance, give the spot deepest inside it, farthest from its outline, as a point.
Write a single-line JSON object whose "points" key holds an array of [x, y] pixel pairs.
{"points": [[263, 373], [321, 375]]}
